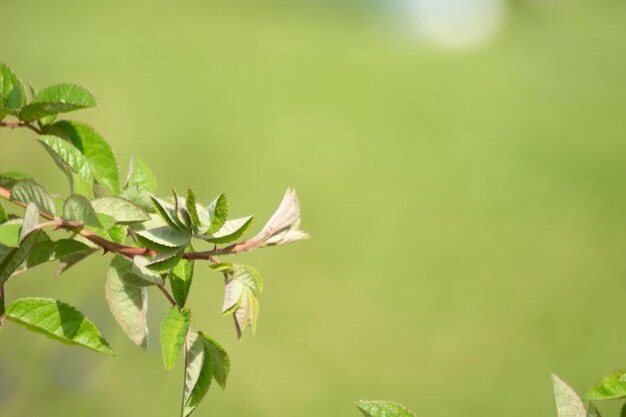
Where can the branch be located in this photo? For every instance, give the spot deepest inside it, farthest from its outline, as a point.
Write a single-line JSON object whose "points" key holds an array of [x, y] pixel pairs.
{"points": [[130, 251], [27, 125]]}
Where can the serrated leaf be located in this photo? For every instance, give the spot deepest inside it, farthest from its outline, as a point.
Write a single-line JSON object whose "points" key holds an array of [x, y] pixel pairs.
{"points": [[8, 179], [219, 359], [198, 372], [66, 262], [230, 231], [78, 209], [232, 296], [13, 259], [140, 275], [59, 321], [128, 303], [15, 99], [192, 208], [180, 281], [163, 235], [168, 213], [122, 210], [284, 225], [28, 191], [214, 216], [57, 99], [31, 221], [383, 409], [568, 403], [8, 82], [141, 176], [174, 329], [48, 251], [612, 386], [10, 233], [243, 285], [69, 159], [94, 147], [165, 261]]}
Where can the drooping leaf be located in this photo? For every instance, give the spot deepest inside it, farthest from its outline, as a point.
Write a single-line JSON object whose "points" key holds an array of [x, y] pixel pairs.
{"points": [[232, 295], [59, 321], [214, 216], [65, 155], [128, 303], [612, 386], [78, 209], [10, 233], [243, 286], [140, 275], [68, 261], [174, 329], [13, 259], [57, 99], [122, 210], [8, 179], [568, 403], [230, 231], [383, 409], [180, 281], [28, 191], [219, 359], [49, 251], [165, 261], [198, 372], [94, 147], [168, 213], [31, 221], [141, 176]]}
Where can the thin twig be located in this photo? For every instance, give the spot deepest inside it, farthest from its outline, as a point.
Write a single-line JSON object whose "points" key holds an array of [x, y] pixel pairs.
{"points": [[167, 295], [2, 306], [14, 125]]}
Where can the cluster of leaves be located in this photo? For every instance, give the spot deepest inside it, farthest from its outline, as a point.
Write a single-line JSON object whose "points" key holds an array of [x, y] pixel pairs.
{"points": [[151, 238]]}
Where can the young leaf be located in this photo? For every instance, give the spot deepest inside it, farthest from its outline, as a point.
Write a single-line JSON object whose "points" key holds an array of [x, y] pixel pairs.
{"points": [[192, 208], [3, 215], [141, 176], [128, 304], [165, 261], [57, 99], [568, 403], [230, 231], [122, 210], [383, 409], [219, 359], [28, 191], [95, 148], [13, 259], [284, 225], [140, 275], [612, 386], [156, 231], [243, 286], [180, 280], [198, 372], [78, 209], [167, 213], [31, 221], [59, 321], [214, 216], [174, 329], [8, 83]]}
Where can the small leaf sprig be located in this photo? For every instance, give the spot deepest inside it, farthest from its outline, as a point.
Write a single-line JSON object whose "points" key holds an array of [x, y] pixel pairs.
{"points": [[151, 239]]}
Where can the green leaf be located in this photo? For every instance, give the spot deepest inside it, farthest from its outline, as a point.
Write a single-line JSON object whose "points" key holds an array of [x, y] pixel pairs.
{"points": [[156, 231], [78, 209], [28, 191], [59, 321], [174, 329], [141, 176], [15, 99], [214, 216], [198, 372], [219, 359], [3, 215], [57, 99], [140, 275], [13, 259], [612, 386], [180, 280], [66, 155], [10, 233], [122, 210], [48, 251], [383, 409], [623, 411], [31, 221], [592, 410], [243, 286], [8, 82], [66, 262], [230, 231], [165, 261], [94, 147], [128, 303], [168, 213], [118, 233], [568, 403], [8, 179], [192, 208]]}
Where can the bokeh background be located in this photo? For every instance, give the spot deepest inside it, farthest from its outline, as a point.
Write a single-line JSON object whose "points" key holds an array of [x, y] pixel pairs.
{"points": [[461, 166]]}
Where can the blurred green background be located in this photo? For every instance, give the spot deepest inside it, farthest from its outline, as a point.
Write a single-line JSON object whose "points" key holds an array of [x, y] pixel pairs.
{"points": [[467, 206]]}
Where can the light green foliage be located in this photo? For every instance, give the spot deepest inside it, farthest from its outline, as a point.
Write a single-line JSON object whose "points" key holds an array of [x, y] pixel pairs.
{"points": [[174, 329], [57, 99], [58, 321], [28, 191], [128, 303], [383, 409], [568, 403], [150, 237], [612, 386]]}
